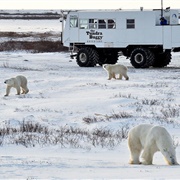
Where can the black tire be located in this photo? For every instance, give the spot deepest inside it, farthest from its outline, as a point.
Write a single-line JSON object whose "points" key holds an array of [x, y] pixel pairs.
{"points": [[108, 58], [142, 58], [87, 57], [162, 59]]}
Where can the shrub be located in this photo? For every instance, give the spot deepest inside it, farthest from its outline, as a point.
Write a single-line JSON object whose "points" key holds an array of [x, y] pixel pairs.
{"points": [[29, 133]]}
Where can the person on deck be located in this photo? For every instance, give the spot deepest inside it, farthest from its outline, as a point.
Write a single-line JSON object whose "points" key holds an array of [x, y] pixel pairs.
{"points": [[163, 21]]}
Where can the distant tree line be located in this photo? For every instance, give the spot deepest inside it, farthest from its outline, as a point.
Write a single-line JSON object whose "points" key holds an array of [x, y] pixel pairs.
{"points": [[47, 15]]}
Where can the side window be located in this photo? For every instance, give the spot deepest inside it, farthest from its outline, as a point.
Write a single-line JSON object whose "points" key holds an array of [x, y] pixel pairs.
{"points": [[111, 24], [83, 24], [102, 24], [73, 22], [130, 23], [93, 23]]}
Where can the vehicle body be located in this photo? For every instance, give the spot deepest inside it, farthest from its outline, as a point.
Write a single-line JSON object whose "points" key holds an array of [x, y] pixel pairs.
{"points": [[98, 37]]}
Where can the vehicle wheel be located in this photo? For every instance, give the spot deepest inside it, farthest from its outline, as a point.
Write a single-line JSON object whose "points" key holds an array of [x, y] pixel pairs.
{"points": [[87, 57], [162, 59], [142, 58]]}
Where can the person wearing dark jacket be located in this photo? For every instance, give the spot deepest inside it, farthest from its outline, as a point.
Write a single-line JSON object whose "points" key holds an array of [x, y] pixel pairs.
{"points": [[163, 21]]}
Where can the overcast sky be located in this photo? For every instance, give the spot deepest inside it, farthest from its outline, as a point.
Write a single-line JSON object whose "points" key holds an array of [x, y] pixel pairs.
{"points": [[87, 4]]}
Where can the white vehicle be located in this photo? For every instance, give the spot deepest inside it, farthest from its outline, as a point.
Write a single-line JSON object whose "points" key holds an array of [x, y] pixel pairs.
{"points": [[98, 37]]}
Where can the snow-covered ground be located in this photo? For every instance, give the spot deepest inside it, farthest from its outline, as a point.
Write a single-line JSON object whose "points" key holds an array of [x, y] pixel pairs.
{"points": [[31, 30], [14, 25], [63, 94]]}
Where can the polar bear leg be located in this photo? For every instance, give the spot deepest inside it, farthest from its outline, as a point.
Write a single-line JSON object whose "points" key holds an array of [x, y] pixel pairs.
{"points": [[125, 76], [134, 157], [110, 76], [25, 90], [24, 87], [147, 155], [135, 151], [18, 90], [114, 75], [8, 88], [120, 76]]}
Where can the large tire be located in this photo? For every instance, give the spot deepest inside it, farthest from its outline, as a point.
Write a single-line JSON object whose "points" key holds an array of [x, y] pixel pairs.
{"points": [[142, 58], [87, 57], [108, 57], [162, 59]]}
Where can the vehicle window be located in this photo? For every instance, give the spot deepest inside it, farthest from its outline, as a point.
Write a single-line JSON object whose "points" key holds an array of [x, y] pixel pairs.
{"points": [[96, 23], [83, 24], [73, 22], [111, 24], [93, 23], [102, 24], [130, 23]]}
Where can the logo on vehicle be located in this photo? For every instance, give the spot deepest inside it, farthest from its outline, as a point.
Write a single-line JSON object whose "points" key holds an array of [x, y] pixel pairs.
{"points": [[94, 35]]}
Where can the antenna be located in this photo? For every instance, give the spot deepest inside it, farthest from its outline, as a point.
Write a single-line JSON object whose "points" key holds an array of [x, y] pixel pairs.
{"points": [[161, 8]]}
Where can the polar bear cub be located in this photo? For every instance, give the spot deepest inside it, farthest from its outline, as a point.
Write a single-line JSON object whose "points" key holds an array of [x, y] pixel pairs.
{"points": [[150, 139], [19, 82], [113, 69]]}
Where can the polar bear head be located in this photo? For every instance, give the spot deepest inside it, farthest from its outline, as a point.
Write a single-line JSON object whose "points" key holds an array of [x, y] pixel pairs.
{"points": [[9, 82]]}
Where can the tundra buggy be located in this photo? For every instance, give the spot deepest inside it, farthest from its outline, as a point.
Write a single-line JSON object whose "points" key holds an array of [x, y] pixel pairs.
{"points": [[99, 37]]}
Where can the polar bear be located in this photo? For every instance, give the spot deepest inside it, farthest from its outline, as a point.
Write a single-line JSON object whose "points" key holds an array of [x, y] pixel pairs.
{"points": [[150, 139], [19, 82], [113, 69]]}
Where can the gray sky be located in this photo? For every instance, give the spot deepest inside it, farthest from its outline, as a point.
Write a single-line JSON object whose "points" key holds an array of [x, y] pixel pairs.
{"points": [[87, 4]]}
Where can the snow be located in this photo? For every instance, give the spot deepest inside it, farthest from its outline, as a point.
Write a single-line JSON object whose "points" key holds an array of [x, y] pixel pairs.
{"points": [[26, 25], [62, 94]]}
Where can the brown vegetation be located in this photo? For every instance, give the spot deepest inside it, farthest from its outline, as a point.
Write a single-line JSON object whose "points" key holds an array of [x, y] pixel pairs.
{"points": [[21, 15], [30, 41], [33, 46]]}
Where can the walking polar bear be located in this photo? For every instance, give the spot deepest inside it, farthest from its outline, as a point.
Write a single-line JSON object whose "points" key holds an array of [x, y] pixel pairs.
{"points": [[19, 82], [113, 69], [150, 139]]}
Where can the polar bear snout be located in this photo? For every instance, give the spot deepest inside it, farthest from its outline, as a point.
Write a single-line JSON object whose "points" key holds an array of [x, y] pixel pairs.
{"points": [[5, 82], [173, 161]]}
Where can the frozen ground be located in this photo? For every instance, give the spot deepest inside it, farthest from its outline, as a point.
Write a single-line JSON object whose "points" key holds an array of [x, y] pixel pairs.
{"points": [[63, 94], [13, 25]]}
